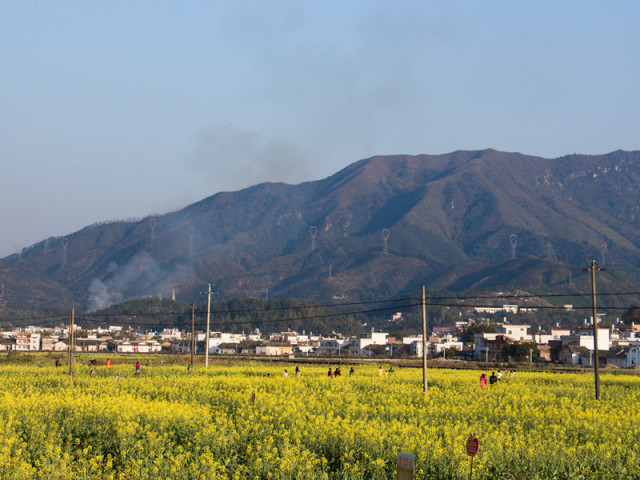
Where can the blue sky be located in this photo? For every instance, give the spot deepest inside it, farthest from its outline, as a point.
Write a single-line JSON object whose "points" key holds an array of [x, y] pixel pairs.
{"points": [[112, 110]]}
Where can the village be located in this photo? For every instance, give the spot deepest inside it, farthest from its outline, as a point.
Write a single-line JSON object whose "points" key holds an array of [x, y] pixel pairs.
{"points": [[618, 346]]}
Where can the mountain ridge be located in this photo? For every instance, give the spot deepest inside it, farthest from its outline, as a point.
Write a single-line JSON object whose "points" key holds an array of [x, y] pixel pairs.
{"points": [[445, 216]]}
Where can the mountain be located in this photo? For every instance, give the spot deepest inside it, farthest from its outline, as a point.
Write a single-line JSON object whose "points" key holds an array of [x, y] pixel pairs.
{"points": [[382, 227]]}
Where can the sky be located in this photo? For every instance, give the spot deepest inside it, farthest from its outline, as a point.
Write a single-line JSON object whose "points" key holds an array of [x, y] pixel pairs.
{"points": [[114, 110]]}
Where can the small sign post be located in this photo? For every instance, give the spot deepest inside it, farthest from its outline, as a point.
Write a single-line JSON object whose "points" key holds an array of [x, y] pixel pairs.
{"points": [[472, 446], [406, 466]]}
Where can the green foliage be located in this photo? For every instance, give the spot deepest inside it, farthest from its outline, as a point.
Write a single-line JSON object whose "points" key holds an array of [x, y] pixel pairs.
{"points": [[148, 313], [632, 315], [242, 314], [235, 315], [471, 330], [20, 315], [520, 350]]}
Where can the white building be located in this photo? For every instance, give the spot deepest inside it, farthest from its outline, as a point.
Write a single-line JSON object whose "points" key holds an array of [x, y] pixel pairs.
{"points": [[217, 338], [556, 334], [274, 348], [449, 344], [415, 343], [357, 345], [303, 346], [28, 342], [487, 309], [170, 334], [633, 356], [333, 346], [514, 332], [584, 338], [149, 346], [126, 347]]}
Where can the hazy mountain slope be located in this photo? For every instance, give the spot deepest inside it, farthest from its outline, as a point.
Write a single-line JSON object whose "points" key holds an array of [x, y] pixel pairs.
{"points": [[451, 221], [20, 286]]}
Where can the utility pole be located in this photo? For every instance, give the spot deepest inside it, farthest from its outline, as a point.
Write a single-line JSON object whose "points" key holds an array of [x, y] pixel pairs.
{"points": [[424, 343], [206, 348], [596, 366], [193, 336], [71, 335]]}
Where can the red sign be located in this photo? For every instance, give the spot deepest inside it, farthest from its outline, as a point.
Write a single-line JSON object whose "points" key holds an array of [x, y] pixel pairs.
{"points": [[472, 445]]}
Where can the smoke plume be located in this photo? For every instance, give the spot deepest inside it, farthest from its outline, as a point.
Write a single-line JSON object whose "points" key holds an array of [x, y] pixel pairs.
{"points": [[141, 276]]}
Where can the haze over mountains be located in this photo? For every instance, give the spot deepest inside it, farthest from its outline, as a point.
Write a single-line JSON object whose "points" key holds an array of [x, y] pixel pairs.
{"points": [[381, 227]]}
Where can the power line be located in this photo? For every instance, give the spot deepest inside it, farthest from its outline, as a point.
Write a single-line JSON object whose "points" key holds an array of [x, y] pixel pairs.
{"points": [[528, 295], [47, 319], [537, 307], [97, 316], [292, 319]]}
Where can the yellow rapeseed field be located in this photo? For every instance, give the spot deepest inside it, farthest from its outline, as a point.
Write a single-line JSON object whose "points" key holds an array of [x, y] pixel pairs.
{"points": [[173, 424]]}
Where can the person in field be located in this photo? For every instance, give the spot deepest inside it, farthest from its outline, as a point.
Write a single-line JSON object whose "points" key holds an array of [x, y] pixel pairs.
{"points": [[352, 371], [483, 380], [137, 368], [330, 373], [108, 363], [298, 372], [493, 379], [338, 372], [286, 374]]}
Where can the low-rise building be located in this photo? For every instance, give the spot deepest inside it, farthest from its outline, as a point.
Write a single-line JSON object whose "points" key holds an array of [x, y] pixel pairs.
{"points": [[218, 338], [357, 345], [444, 330], [274, 348], [7, 344], [516, 333], [488, 346], [170, 334], [573, 354], [28, 342], [48, 341], [333, 346], [584, 338]]}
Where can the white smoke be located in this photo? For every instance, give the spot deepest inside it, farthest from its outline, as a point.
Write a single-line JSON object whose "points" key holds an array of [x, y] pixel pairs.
{"points": [[141, 276]]}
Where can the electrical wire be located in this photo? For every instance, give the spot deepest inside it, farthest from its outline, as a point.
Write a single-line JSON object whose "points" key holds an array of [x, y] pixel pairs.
{"points": [[530, 295], [94, 317], [99, 317], [285, 319]]}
